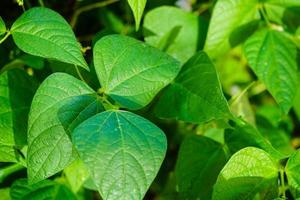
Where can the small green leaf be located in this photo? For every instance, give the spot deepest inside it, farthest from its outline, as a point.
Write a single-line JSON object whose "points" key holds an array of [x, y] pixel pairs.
{"points": [[196, 171], [272, 56], [137, 7], [43, 32], [178, 37], [59, 105], [227, 17], [16, 92], [123, 152], [243, 135], [248, 172], [44, 190], [293, 173], [195, 95], [132, 72], [2, 26]]}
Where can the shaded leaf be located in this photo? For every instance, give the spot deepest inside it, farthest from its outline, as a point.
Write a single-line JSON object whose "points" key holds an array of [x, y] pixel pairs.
{"points": [[293, 174]]}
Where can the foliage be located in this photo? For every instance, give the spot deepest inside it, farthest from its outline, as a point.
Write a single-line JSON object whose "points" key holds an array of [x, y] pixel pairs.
{"points": [[152, 99]]}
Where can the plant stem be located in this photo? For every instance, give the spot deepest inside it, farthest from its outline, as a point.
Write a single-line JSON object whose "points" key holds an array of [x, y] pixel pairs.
{"points": [[282, 184], [5, 37], [264, 14], [87, 8], [5, 172], [79, 74], [41, 2]]}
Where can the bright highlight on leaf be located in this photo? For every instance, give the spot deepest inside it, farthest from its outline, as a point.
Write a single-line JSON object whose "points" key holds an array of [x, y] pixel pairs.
{"points": [[123, 152], [43, 32], [272, 56], [132, 72]]}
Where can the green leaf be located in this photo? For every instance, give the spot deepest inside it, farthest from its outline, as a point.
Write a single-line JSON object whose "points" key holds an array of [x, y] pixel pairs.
{"points": [[195, 95], [296, 105], [131, 72], [16, 92], [123, 152], [4, 193], [178, 37], [272, 57], [76, 174], [43, 32], [243, 135], [284, 3], [248, 172], [292, 170], [137, 7], [196, 171], [59, 105], [2, 26], [228, 16], [44, 190]]}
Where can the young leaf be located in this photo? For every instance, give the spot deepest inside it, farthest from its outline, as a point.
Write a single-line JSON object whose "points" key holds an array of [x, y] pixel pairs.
{"points": [[43, 32], [2, 26], [46, 189], [59, 105], [123, 152], [248, 172], [272, 56], [132, 72], [293, 174], [227, 17], [178, 37], [137, 7], [196, 95], [16, 92], [196, 171]]}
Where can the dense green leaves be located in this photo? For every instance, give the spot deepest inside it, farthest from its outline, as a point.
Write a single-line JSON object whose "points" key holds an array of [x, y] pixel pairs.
{"points": [[199, 162], [132, 72], [44, 190], [2, 26], [16, 91], [60, 104], [285, 3], [248, 172], [229, 16], [272, 56], [293, 173], [43, 32], [195, 95], [137, 7], [122, 151], [178, 37]]}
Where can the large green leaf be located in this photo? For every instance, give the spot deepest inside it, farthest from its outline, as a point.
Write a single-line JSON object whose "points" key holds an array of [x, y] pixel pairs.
{"points": [[248, 172], [132, 72], [123, 152], [60, 104], [2, 26], [137, 7], [243, 135], [44, 190], [195, 95], [228, 16], [43, 32], [178, 36], [16, 92], [272, 56], [293, 173], [199, 162]]}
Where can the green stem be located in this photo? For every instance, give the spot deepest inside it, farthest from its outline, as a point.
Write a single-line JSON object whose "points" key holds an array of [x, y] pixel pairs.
{"points": [[79, 74], [264, 14], [5, 172], [87, 8], [41, 2], [282, 184], [5, 37]]}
